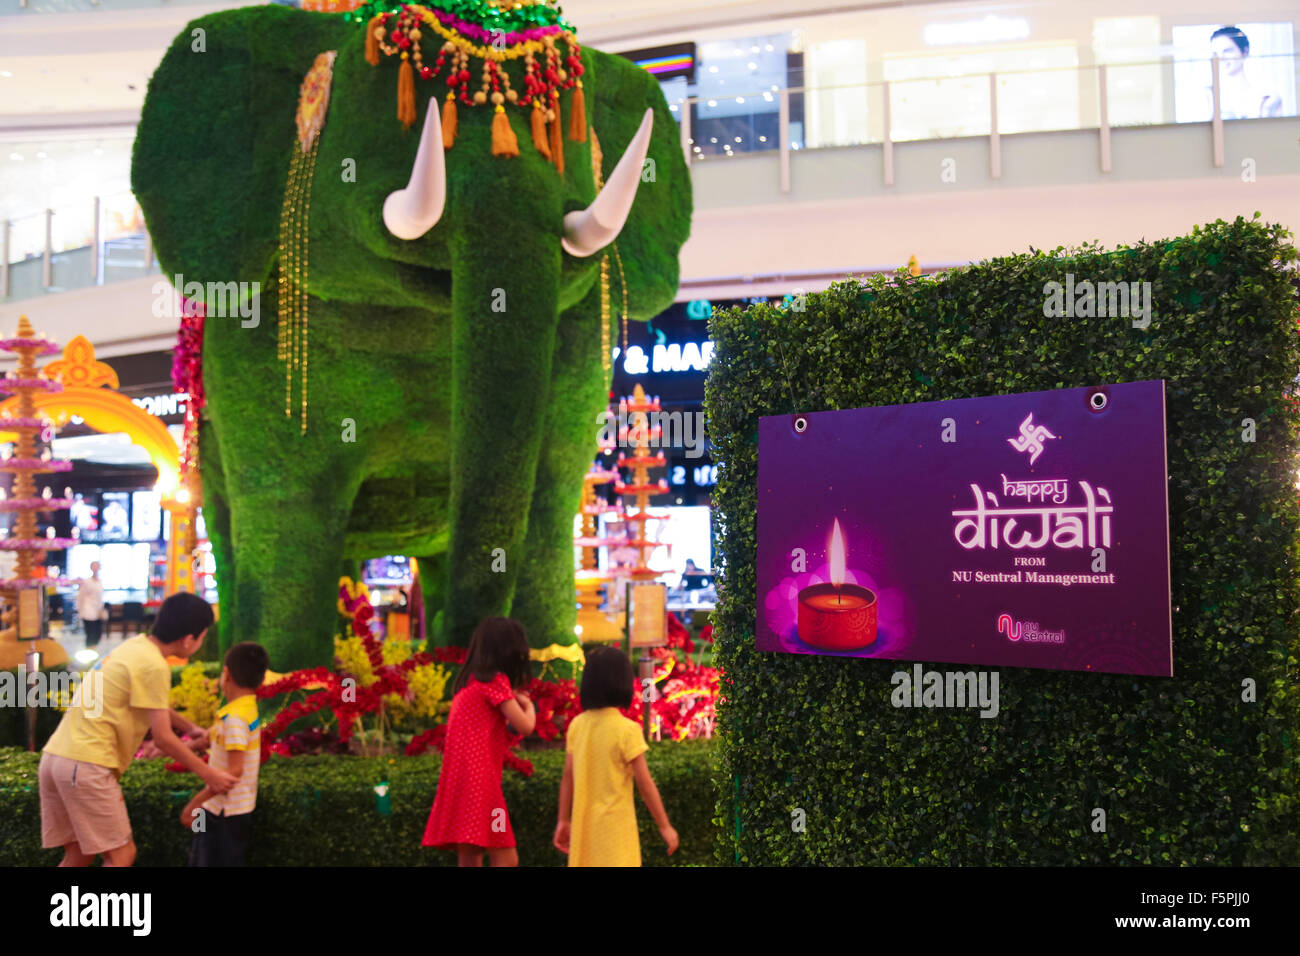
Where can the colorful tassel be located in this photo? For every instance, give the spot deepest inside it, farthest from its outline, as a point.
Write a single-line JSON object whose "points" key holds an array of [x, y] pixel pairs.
{"points": [[538, 123], [372, 40], [406, 94], [504, 142], [578, 116], [557, 140], [449, 121]]}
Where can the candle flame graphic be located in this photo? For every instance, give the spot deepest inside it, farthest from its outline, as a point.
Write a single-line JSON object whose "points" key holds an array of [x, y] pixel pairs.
{"points": [[837, 555]]}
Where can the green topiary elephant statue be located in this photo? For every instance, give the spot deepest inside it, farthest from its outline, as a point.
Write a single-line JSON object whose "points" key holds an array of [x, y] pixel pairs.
{"points": [[402, 283]]}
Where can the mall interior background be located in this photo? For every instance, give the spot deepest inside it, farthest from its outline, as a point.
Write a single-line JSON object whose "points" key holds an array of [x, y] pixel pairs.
{"points": [[849, 141]]}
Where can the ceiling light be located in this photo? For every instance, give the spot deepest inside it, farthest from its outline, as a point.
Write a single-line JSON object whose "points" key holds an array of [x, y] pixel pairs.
{"points": [[713, 69], [740, 99], [713, 102], [762, 139], [42, 155], [738, 139], [16, 157], [768, 97], [754, 48], [713, 139], [6, 74], [673, 108], [752, 65], [769, 48]]}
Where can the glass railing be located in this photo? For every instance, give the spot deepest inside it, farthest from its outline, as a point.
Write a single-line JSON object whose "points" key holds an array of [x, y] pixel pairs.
{"points": [[100, 240], [104, 240], [1148, 93]]}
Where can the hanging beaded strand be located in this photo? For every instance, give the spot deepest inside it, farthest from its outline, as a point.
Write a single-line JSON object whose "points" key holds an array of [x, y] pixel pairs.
{"points": [[292, 333], [622, 281]]}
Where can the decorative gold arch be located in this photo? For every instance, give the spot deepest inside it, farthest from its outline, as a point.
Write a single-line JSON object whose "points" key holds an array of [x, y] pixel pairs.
{"points": [[88, 392]]}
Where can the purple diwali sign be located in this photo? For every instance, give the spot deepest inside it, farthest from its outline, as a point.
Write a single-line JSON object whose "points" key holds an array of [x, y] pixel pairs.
{"points": [[1025, 530]]}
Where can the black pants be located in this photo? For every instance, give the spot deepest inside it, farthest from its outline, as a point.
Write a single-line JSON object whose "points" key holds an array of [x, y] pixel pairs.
{"points": [[224, 842], [93, 630]]}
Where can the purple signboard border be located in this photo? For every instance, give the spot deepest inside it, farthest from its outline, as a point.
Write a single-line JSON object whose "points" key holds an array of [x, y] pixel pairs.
{"points": [[886, 593]]}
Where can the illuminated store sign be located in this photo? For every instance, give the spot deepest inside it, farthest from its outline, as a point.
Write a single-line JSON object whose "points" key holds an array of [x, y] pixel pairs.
{"points": [[673, 357], [163, 406]]}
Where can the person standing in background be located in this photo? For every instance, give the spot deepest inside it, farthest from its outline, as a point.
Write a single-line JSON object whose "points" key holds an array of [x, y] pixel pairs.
{"points": [[90, 605]]}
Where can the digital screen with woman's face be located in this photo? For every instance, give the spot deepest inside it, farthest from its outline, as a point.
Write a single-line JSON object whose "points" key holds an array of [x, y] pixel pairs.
{"points": [[1257, 78]]}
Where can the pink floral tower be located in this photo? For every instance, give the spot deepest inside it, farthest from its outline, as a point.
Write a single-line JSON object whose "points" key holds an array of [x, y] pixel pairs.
{"points": [[24, 502]]}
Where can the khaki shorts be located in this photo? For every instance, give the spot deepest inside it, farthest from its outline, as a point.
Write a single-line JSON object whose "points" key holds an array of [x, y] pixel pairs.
{"points": [[81, 803]]}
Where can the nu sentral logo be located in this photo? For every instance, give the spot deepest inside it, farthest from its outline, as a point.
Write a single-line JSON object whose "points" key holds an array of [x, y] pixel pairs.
{"points": [[75, 909], [222, 300], [1087, 300], [946, 689], [53, 689]]}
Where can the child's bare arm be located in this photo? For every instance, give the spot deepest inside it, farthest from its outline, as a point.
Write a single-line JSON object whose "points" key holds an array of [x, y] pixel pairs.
{"points": [[191, 808], [522, 719], [170, 744], [563, 825], [235, 762], [645, 785]]}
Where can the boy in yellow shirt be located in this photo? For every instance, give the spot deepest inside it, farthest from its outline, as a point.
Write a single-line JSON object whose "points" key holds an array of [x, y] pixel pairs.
{"points": [[223, 823], [82, 809]]}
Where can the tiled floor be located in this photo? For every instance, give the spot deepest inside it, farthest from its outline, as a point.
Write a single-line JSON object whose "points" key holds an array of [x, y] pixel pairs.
{"points": [[73, 639]]}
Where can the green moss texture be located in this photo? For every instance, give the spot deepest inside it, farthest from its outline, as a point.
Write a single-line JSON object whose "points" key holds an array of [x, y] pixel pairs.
{"points": [[1187, 771], [472, 426]]}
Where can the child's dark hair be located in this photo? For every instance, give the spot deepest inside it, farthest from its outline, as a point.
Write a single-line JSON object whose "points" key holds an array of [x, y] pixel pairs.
{"points": [[499, 646], [182, 615], [606, 679], [247, 663]]}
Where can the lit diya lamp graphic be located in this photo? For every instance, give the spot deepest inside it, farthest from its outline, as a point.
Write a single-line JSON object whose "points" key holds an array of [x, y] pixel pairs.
{"points": [[837, 616]]}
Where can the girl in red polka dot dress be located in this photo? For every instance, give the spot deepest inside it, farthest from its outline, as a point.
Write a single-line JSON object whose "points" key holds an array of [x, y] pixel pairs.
{"points": [[469, 810]]}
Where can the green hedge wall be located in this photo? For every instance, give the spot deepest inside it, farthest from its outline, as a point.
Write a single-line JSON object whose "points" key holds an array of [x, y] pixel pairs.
{"points": [[1186, 771], [322, 811]]}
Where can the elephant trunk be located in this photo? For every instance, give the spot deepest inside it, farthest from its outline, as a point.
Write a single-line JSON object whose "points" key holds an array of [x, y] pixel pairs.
{"points": [[411, 212]]}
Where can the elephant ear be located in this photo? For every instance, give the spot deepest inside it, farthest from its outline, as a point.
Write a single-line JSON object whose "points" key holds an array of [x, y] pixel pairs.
{"points": [[212, 150], [619, 92]]}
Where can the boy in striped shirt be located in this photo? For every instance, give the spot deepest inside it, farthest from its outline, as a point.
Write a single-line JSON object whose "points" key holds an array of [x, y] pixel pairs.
{"points": [[222, 823]]}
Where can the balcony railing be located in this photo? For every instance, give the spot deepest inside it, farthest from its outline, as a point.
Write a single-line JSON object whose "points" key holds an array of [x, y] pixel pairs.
{"points": [[72, 247], [105, 240]]}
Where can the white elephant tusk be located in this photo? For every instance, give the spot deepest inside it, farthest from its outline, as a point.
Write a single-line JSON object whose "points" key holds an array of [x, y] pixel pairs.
{"points": [[587, 231], [411, 212]]}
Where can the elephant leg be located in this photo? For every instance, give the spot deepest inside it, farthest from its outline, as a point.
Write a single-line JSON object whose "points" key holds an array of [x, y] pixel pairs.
{"points": [[545, 601], [503, 331]]}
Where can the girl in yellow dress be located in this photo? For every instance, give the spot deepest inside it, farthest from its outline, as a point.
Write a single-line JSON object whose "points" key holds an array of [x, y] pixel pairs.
{"points": [[605, 752]]}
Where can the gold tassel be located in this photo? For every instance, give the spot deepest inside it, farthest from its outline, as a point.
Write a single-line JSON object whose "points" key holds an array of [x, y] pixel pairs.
{"points": [[372, 40], [578, 116], [557, 140], [406, 94], [539, 131], [504, 142], [449, 121]]}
